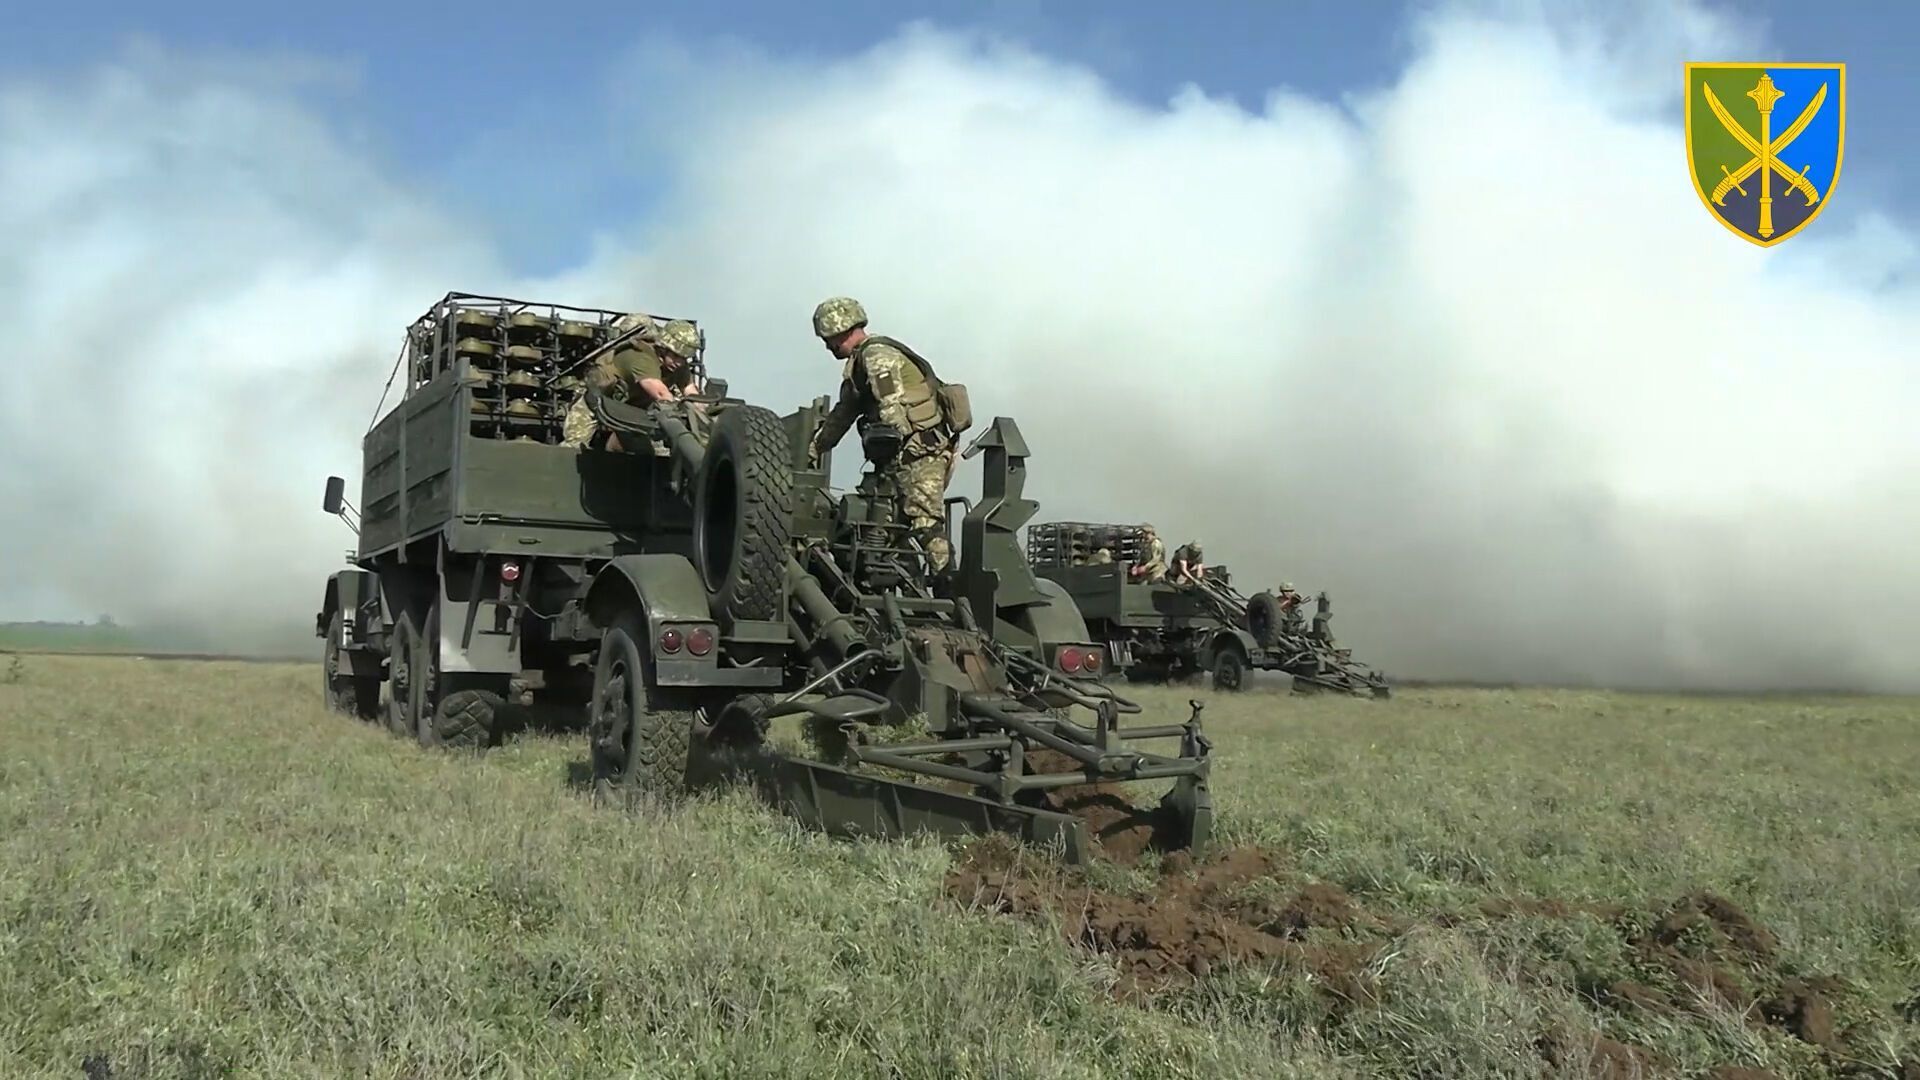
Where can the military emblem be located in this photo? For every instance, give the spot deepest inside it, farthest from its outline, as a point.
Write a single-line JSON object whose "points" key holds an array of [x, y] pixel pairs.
{"points": [[1764, 142]]}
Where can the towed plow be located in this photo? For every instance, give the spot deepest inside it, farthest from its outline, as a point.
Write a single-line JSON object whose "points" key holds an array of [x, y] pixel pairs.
{"points": [[996, 664]]}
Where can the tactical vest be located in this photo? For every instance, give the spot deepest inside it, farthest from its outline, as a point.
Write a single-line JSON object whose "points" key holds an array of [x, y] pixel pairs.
{"points": [[917, 398]]}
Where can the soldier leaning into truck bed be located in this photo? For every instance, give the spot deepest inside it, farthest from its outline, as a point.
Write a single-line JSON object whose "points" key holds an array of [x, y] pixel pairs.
{"points": [[1153, 566], [1189, 564], [895, 395], [653, 365]]}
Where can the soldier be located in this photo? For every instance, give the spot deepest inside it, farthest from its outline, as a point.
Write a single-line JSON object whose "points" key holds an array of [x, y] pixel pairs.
{"points": [[656, 364], [1154, 566], [894, 394], [1103, 557], [1291, 615], [1188, 564]]}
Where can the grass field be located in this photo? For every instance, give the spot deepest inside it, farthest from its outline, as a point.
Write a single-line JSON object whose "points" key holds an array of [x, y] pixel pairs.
{"points": [[204, 874]]}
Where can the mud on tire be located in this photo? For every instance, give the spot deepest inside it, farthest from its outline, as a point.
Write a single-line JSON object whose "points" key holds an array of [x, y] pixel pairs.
{"points": [[742, 513]]}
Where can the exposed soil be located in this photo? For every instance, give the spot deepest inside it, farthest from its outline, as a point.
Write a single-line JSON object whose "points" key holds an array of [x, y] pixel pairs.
{"points": [[1202, 916], [1602, 1058], [1193, 923], [1123, 831]]}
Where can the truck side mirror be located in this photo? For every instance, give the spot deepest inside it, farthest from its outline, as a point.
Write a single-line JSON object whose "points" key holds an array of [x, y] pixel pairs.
{"points": [[716, 388], [336, 495]]}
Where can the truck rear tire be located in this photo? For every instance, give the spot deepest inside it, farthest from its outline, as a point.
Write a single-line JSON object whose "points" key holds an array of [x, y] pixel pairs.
{"points": [[638, 744], [466, 720], [743, 513], [355, 695], [1229, 669], [403, 652]]}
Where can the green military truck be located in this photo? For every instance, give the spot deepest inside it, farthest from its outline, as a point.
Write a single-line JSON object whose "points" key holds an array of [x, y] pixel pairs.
{"points": [[689, 589], [1159, 631]]}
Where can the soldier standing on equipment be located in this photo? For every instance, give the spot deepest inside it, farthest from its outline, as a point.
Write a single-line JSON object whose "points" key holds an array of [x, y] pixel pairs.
{"points": [[906, 433], [653, 365]]}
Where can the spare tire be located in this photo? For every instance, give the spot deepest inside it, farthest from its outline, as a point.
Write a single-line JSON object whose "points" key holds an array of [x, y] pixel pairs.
{"points": [[1263, 619], [742, 512]]}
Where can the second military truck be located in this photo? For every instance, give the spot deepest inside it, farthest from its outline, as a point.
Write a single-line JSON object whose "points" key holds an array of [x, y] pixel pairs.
{"points": [[1159, 631]]}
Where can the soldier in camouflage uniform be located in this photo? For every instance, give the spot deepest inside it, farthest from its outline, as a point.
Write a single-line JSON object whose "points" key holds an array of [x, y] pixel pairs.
{"points": [[656, 364], [1154, 566], [1292, 617], [1189, 564], [902, 428]]}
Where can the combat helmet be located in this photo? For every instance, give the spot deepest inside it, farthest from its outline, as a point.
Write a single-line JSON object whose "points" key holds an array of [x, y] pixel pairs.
{"points": [[680, 338], [636, 321], [837, 315]]}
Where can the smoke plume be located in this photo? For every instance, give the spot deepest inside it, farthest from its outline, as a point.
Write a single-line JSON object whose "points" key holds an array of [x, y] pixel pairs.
{"points": [[1466, 352]]}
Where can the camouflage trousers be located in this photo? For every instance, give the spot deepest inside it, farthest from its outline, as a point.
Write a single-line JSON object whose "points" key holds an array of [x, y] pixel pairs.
{"points": [[918, 485], [580, 425]]}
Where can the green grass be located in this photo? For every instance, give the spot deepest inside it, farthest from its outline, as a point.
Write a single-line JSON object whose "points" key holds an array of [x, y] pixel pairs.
{"points": [[202, 873]]}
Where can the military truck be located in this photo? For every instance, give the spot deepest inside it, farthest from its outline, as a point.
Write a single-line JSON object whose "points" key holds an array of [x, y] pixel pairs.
{"points": [[704, 581], [1158, 631]]}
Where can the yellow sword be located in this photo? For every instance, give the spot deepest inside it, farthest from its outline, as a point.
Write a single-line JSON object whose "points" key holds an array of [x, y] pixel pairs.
{"points": [[1798, 181]]}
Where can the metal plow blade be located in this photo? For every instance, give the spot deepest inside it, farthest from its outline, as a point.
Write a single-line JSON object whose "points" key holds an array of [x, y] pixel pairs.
{"points": [[840, 802], [1002, 788]]}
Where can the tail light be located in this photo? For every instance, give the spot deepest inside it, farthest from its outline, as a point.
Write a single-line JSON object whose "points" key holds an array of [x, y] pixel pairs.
{"points": [[509, 571], [1070, 660], [670, 641], [1092, 663], [700, 642]]}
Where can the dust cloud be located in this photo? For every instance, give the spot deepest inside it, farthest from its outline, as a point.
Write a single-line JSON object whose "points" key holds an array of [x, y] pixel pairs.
{"points": [[1490, 376]]}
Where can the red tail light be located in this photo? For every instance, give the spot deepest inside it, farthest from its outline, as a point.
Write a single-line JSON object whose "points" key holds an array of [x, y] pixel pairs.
{"points": [[670, 641], [700, 642], [509, 572], [1070, 660]]}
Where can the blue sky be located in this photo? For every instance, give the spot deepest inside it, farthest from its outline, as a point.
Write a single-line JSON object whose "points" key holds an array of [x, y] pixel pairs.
{"points": [[427, 89]]}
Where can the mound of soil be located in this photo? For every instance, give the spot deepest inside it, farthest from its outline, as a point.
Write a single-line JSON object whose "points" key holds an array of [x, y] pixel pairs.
{"points": [[1123, 832], [1712, 954], [1192, 924], [1200, 917], [1602, 1058]]}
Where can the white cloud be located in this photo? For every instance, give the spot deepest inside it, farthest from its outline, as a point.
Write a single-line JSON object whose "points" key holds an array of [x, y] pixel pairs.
{"points": [[1467, 352]]}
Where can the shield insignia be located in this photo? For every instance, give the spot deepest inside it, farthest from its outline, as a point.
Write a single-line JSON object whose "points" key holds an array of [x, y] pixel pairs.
{"points": [[1764, 143]]}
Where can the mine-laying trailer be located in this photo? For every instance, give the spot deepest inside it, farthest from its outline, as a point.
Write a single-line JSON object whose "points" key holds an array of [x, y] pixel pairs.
{"points": [[693, 588], [1158, 631]]}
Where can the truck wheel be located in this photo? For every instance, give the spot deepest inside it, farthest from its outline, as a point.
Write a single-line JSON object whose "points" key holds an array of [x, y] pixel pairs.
{"points": [[1263, 619], [466, 720], [1229, 670], [742, 513], [426, 678], [355, 695], [637, 744], [403, 649]]}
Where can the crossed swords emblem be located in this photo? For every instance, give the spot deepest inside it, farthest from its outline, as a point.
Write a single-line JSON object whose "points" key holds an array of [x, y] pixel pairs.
{"points": [[1765, 151]]}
